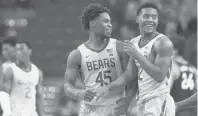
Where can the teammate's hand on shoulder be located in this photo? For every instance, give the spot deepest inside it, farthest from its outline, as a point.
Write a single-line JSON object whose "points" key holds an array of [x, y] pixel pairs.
{"points": [[102, 92], [86, 95], [129, 48]]}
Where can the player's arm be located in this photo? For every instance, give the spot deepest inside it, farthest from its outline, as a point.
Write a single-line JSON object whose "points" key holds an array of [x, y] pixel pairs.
{"points": [[175, 72], [187, 103], [6, 90], [158, 70], [72, 72], [39, 98], [129, 70]]}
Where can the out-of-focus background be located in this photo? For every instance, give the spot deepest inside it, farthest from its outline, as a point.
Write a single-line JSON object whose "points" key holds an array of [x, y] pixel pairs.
{"points": [[53, 28]]}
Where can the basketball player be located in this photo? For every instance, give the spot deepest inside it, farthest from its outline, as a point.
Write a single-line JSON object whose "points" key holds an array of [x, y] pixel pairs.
{"points": [[22, 84], [152, 52], [182, 81], [100, 61], [8, 52]]}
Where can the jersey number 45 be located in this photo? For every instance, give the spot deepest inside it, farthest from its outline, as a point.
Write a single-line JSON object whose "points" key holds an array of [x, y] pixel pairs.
{"points": [[102, 76]]}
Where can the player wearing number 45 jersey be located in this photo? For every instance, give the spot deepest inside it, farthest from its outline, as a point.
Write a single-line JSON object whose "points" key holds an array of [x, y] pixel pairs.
{"points": [[100, 60], [182, 81], [22, 85]]}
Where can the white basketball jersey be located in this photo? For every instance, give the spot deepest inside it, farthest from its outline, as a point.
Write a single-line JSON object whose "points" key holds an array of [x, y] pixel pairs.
{"points": [[100, 69], [5, 65], [148, 87], [23, 94]]}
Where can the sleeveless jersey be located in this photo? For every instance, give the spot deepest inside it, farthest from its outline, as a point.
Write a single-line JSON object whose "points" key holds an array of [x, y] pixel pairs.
{"points": [[5, 65], [99, 69], [184, 86], [23, 94], [147, 86]]}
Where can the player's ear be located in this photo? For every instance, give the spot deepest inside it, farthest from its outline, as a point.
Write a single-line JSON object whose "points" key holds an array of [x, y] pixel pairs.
{"points": [[92, 23], [30, 51], [137, 19]]}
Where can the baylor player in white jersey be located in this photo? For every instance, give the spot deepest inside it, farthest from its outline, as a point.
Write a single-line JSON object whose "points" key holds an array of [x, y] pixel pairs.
{"points": [[100, 61], [22, 84], [153, 55]]}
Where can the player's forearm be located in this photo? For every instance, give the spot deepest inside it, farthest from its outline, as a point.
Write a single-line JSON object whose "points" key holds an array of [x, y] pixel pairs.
{"points": [[133, 92], [119, 82], [39, 104], [71, 91], [150, 69], [189, 102]]}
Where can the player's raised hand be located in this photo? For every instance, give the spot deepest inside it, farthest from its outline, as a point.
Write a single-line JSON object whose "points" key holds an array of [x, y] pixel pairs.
{"points": [[103, 91], [86, 95], [129, 48]]}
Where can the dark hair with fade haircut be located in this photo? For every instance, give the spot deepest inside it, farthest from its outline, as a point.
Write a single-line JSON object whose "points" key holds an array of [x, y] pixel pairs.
{"points": [[10, 40], [147, 5], [90, 12], [24, 42]]}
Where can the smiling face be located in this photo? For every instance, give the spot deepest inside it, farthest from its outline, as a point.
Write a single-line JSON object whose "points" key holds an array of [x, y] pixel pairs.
{"points": [[148, 20], [102, 25]]}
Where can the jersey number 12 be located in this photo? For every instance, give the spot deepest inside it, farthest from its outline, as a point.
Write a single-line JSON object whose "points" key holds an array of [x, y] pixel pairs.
{"points": [[103, 75]]}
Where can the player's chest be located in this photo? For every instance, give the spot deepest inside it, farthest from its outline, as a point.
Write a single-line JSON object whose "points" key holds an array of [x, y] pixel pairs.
{"points": [[147, 52], [26, 79], [96, 61]]}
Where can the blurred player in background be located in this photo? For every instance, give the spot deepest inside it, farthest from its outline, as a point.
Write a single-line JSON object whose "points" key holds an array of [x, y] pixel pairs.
{"points": [[8, 52], [187, 103], [100, 61], [22, 84], [182, 81]]}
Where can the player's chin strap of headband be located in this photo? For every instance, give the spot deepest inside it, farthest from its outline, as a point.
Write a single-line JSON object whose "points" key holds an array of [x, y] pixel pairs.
{"points": [[5, 103]]}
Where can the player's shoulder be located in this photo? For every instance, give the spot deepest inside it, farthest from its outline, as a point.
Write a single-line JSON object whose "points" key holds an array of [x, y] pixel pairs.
{"points": [[163, 43], [163, 40], [8, 71], [74, 56], [134, 39]]}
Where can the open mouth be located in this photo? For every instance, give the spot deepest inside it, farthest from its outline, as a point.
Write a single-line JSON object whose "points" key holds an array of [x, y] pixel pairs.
{"points": [[149, 25]]}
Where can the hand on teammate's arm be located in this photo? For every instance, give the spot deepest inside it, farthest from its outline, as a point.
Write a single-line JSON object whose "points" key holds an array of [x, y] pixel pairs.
{"points": [[164, 51], [5, 93], [39, 98]]}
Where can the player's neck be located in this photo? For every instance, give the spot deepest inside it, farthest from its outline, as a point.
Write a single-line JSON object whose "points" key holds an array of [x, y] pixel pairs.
{"points": [[96, 41], [146, 36], [24, 64]]}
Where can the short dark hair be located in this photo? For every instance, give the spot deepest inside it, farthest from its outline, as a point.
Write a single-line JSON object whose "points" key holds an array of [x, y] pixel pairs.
{"points": [[24, 42], [10, 40], [147, 5], [90, 12]]}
